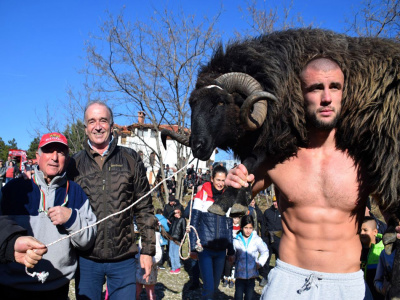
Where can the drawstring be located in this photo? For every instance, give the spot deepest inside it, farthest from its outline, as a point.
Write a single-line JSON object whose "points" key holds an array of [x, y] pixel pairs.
{"points": [[312, 279]]}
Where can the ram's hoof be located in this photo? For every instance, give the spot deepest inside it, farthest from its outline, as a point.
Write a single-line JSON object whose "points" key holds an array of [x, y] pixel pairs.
{"points": [[238, 210], [216, 209]]}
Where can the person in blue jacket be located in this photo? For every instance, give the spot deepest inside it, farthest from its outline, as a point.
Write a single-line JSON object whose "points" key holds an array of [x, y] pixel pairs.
{"points": [[215, 233], [164, 223]]}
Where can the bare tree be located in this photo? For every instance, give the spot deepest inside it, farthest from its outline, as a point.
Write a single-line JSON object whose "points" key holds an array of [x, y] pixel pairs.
{"points": [[376, 18], [266, 20], [46, 121], [152, 67]]}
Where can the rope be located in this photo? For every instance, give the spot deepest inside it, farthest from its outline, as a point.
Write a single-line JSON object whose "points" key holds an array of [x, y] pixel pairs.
{"points": [[198, 246], [42, 276]]}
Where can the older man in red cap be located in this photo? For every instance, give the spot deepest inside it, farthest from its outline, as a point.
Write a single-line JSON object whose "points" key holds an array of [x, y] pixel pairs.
{"points": [[49, 207]]}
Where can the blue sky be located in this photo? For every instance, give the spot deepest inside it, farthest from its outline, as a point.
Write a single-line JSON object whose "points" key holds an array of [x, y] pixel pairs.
{"points": [[43, 47]]}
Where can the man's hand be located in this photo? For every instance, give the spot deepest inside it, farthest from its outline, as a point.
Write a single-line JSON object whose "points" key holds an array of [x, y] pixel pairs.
{"points": [[239, 177], [398, 232], [59, 214], [28, 251], [194, 255], [146, 261]]}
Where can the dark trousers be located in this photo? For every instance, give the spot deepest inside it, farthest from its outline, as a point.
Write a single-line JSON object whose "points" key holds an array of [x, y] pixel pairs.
{"points": [[273, 249], [10, 293], [195, 270], [244, 287], [227, 268]]}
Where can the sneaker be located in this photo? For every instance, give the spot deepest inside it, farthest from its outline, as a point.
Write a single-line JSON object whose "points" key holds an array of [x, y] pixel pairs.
{"points": [[177, 271], [161, 267], [231, 284], [264, 282], [225, 283]]}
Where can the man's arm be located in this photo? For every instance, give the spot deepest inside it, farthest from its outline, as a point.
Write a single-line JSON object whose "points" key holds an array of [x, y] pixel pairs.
{"points": [[145, 218], [16, 247]]}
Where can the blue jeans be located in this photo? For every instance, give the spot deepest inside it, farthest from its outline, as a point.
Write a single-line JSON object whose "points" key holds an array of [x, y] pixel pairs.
{"points": [[174, 256], [211, 264], [91, 275], [246, 287]]}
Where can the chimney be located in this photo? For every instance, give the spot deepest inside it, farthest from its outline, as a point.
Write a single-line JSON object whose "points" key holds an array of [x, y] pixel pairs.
{"points": [[141, 116]]}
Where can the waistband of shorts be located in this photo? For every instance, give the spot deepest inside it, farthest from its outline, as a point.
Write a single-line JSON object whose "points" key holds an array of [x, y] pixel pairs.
{"points": [[280, 265]]}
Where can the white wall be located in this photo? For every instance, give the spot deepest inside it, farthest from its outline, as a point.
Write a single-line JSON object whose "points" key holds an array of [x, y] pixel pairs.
{"points": [[169, 155]]}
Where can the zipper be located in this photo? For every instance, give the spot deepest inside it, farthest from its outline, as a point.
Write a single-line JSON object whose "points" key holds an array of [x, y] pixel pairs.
{"points": [[217, 227], [105, 212]]}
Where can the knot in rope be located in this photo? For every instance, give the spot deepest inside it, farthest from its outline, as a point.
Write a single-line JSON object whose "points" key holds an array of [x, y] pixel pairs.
{"points": [[41, 276]]}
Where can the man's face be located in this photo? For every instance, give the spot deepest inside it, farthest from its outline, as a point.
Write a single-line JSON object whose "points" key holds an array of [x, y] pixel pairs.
{"points": [[275, 204], [322, 92], [98, 128], [368, 233], [52, 160]]}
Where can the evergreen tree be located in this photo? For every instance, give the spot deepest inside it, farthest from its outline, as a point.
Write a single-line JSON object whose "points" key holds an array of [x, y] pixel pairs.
{"points": [[33, 147], [75, 134]]}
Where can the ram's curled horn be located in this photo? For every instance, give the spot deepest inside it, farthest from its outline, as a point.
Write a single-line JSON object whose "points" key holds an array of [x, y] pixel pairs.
{"points": [[254, 109], [181, 138]]}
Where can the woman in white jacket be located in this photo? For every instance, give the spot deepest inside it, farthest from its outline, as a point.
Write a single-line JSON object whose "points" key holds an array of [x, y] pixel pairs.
{"points": [[251, 254]]}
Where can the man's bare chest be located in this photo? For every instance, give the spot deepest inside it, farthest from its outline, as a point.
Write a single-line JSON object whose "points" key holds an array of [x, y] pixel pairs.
{"points": [[331, 181]]}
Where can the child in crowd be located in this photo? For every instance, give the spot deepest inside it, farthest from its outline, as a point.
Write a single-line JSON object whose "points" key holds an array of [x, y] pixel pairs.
{"points": [[229, 275], [383, 274], [152, 280], [178, 229], [370, 253], [163, 222], [251, 254]]}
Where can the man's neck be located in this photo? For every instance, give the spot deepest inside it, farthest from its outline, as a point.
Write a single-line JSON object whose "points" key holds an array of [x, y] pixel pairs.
{"points": [[101, 148], [321, 138]]}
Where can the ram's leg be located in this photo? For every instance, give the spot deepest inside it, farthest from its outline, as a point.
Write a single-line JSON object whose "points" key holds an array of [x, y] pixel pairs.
{"points": [[236, 199]]}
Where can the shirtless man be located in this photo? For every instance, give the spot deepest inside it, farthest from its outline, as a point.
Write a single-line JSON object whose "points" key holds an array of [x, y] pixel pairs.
{"points": [[321, 201]]}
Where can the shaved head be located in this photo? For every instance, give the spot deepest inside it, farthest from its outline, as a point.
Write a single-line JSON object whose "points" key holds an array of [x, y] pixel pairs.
{"points": [[321, 64]]}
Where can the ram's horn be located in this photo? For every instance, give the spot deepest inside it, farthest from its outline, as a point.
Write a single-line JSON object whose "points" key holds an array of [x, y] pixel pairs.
{"points": [[181, 138], [254, 110]]}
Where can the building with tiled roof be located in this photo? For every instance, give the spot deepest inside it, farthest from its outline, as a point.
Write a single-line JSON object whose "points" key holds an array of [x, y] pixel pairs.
{"points": [[131, 136]]}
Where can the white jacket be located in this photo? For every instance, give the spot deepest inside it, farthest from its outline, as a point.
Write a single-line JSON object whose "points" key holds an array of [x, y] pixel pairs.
{"points": [[249, 254]]}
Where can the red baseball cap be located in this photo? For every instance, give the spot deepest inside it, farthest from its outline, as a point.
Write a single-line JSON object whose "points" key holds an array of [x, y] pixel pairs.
{"points": [[53, 137]]}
